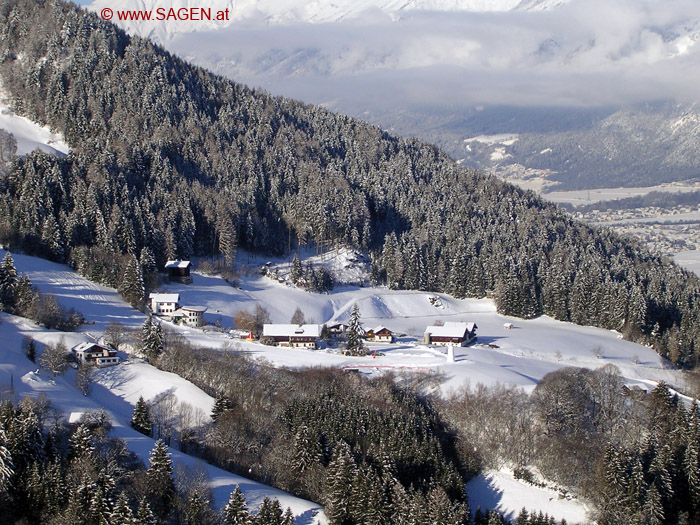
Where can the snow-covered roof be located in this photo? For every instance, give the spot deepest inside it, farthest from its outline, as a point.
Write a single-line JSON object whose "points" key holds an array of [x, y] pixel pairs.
{"points": [[85, 345], [289, 330], [378, 329], [450, 329], [165, 297], [75, 417], [177, 264], [200, 309]]}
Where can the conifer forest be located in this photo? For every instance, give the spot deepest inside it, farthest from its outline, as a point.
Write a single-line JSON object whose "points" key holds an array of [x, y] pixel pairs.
{"points": [[170, 161]]}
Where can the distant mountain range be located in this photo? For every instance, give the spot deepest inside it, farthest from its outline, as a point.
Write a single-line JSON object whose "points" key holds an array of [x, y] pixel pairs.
{"points": [[640, 145]]}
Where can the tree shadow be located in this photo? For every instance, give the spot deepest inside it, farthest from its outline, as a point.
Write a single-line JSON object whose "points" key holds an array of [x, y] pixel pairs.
{"points": [[484, 494]]}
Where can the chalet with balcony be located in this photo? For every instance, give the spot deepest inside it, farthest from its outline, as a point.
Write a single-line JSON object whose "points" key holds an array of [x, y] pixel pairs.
{"points": [[293, 335], [92, 353], [380, 334], [179, 271], [338, 328]]}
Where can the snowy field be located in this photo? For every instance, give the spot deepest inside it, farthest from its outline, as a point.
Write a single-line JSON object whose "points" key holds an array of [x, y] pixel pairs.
{"points": [[689, 260], [29, 135], [583, 197], [520, 356], [498, 489]]}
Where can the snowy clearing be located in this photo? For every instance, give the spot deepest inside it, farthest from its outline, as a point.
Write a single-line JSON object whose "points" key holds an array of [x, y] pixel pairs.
{"points": [[507, 139], [689, 260], [116, 389], [518, 356], [499, 490], [28, 134]]}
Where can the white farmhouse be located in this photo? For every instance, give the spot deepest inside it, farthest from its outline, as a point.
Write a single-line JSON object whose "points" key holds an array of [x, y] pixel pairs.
{"points": [[191, 315], [164, 303], [92, 353]]}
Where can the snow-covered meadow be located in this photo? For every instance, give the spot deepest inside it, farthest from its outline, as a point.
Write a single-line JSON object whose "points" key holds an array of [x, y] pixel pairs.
{"points": [[519, 356], [28, 134]]}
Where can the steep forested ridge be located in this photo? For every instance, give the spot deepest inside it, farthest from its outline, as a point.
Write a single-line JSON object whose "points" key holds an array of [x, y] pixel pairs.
{"points": [[173, 161]]}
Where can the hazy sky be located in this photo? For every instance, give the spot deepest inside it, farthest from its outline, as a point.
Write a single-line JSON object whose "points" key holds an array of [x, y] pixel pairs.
{"points": [[583, 53]]}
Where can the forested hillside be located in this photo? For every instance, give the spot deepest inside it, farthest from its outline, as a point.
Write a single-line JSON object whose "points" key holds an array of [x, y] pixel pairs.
{"points": [[169, 160]]}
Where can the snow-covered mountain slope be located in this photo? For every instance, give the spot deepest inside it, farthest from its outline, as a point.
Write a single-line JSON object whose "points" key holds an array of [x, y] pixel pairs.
{"points": [[116, 389], [426, 68], [28, 134]]}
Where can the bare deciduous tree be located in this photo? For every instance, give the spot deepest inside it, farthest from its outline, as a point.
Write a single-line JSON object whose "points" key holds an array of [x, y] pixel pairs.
{"points": [[54, 358]]}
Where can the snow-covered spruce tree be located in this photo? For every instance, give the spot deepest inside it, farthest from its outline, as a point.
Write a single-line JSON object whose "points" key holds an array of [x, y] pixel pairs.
{"points": [[144, 515], [222, 404], [147, 261], [141, 418], [29, 348], [269, 513], [132, 287], [7, 468], [26, 298], [146, 329], [307, 450], [196, 508], [52, 240], [159, 480], [81, 443], [288, 518], [338, 484], [53, 485], [152, 337], [355, 345], [8, 279], [122, 513], [227, 236], [235, 511], [296, 273]]}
